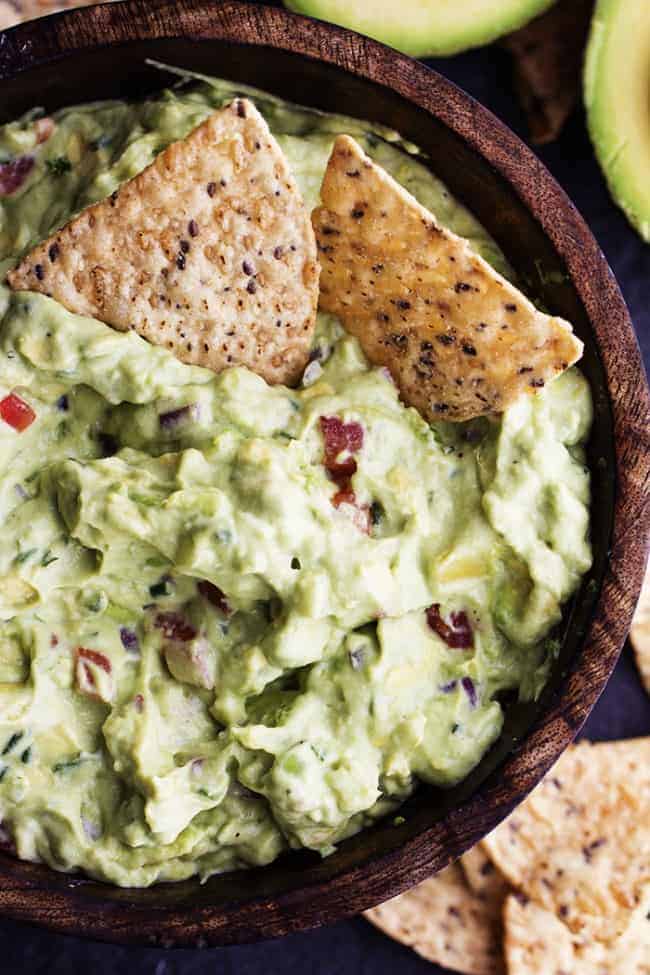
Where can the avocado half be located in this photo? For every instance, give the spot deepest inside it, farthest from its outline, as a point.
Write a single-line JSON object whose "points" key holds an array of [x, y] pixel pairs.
{"points": [[617, 96], [426, 28]]}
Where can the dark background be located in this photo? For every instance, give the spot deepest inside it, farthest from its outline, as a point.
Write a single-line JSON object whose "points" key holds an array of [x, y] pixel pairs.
{"points": [[354, 947]]}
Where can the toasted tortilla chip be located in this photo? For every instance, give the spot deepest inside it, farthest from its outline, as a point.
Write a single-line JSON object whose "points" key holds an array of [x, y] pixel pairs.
{"points": [[579, 846], [459, 340], [536, 942], [483, 877], [209, 252], [640, 633], [444, 922]]}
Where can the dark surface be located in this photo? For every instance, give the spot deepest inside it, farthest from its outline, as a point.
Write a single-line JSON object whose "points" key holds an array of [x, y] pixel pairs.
{"points": [[623, 711]]}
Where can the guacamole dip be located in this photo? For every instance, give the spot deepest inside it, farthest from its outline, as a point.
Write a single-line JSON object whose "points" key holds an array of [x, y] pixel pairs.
{"points": [[239, 618]]}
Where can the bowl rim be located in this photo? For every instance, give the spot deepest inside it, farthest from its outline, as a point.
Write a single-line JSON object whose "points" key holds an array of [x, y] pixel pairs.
{"points": [[62, 907]]}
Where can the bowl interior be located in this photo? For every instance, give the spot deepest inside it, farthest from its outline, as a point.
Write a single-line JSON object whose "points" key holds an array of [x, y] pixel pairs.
{"points": [[91, 74]]}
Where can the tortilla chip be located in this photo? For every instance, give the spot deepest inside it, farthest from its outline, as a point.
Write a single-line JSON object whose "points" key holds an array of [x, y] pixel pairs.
{"points": [[209, 252], [547, 56], [459, 340], [536, 942], [444, 922], [483, 877], [579, 846], [640, 633]]}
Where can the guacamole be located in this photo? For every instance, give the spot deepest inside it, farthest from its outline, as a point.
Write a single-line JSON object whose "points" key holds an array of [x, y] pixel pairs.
{"points": [[239, 618]]}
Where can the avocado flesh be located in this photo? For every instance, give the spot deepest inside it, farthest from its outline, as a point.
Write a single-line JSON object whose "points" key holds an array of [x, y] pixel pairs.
{"points": [[426, 28], [617, 96]]}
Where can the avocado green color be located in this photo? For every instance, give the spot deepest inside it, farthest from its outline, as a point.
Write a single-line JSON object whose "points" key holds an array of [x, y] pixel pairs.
{"points": [[617, 97], [426, 28], [203, 660]]}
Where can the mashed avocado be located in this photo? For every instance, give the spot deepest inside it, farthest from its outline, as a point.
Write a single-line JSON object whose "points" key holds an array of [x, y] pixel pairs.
{"points": [[238, 618]]}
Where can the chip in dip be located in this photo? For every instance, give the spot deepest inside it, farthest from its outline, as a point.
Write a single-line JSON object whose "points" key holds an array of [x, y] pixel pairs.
{"points": [[241, 617]]}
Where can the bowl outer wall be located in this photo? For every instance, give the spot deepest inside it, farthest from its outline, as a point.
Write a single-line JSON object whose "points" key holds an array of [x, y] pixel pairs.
{"points": [[301, 892]]}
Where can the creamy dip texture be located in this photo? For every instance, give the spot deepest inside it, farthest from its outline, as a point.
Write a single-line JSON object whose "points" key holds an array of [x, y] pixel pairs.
{"points": [[239, 618]]}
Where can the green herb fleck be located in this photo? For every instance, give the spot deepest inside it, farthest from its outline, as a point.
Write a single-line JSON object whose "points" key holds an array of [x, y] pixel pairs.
{"points": [[48, 559], [399, 821], [69, 763], [59, 165], [160, 588], [23, 556], [13, 740], [26, 755], [3, 772]]}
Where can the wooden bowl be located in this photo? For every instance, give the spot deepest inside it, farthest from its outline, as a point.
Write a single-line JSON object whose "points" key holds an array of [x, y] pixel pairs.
{"points": [[99, 52]]}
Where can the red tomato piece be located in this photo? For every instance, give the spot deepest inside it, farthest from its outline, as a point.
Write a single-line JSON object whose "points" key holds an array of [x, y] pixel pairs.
{"points": [[94, 657], [16, 412]]}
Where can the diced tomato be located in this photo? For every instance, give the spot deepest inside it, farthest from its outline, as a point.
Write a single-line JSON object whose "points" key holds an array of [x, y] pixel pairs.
{"points": [[215, 596], [459, 635], [138, 702], [54, 640], [175, 627], [340, 437], [16, 412], [14, 173], [44, 127], [94, 657]]}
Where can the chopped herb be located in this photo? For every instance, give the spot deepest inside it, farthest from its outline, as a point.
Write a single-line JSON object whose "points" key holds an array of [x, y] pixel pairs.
{"points": [[376, 512], [3, 772], [26, 755], [12, 741], [399, 821], [161, 588], [295, 563], [155, 562], [59, 165], [70, 763], [24, 556], [48, 559]]}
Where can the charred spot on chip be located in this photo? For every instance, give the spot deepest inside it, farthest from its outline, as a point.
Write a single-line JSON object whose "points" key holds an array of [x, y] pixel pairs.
{"points": [[403, 304], [462, 286], [377, 268], [441, 407], [329, 231], [382, 316], [525, 369], [185, 246], [39, 272], [537, 383], [357, 213], [211, 188], [53, 252], [399, 340], [426, 346], [510, 306], [278, 252], [251, 287], [353, 173], [468, 349], [180, 262], [445, 338], [113, 198], [247, 267], [193, 228], [240, 108]]}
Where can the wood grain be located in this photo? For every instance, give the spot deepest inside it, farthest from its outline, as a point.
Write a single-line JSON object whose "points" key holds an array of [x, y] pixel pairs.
{"points": [[99, 52]]}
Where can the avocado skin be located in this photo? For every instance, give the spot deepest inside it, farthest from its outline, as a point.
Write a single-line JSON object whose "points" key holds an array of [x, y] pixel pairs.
{"points": [[434, 29], [616, 84]]}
